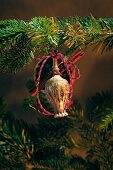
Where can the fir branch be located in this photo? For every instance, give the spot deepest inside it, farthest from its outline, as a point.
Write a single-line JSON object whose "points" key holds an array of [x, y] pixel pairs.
{"points": [[17, 57], [107, 121], [96, 144], [43, 33], [51, 138], [11, 32], [19, 39], [99, 106], [15, 46]]}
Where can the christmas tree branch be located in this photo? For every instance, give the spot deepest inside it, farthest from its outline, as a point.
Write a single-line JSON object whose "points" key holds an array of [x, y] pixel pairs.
{"points": [[19, 39]]}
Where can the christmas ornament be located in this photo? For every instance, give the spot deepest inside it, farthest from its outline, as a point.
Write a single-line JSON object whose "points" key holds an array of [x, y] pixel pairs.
{"points": [[58, 90], [54, 77]]}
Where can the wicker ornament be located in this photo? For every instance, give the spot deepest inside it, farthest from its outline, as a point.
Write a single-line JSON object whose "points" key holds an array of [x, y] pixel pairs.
{"points": [[54, 77]]}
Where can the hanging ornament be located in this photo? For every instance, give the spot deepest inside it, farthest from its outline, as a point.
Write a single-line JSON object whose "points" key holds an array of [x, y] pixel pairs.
{"points": [[55, 77]]}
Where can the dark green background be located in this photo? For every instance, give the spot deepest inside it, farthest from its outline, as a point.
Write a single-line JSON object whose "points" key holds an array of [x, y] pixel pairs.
{"points": [[96, 69]]}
